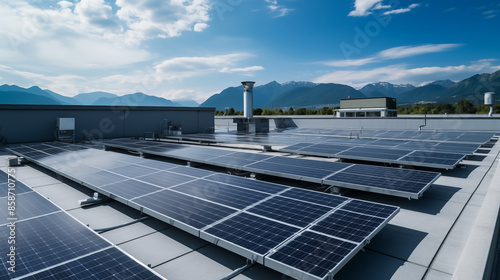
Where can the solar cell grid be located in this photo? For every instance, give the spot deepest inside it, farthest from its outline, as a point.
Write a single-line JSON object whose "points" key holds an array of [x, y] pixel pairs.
{"points": [[348, 225], [193, 172], [377, 182], [370, 208], [289, 170], [29, 204], [313, 253], [133, 171], [101, 178], [251, 232], [208, 207], [315, 197], [53, 239], [130, 189], [165, 179], [231, 196], [189, 210], [290, 211], [248, 183], [104, 265]]}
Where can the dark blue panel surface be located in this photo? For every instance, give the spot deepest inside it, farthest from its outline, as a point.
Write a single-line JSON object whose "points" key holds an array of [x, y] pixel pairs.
{"points": [[392, 173], [165, 179], [160, 165], [133, 170], [109, 264], [47, 241], [27, 205], [348, 225], [313, 253], [247, 183], [101, 178], [232, 196], [315, 197], [294, 212], [370, 208], [130, 188], [313, 164], [378, 182], [253, 233], [186, 209], [193, 172], [303, 171]]}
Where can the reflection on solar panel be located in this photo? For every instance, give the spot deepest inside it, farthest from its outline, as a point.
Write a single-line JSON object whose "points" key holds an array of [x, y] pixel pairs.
{"points": [[50, 244], [323, 172], [379, 154], [258, 220]]}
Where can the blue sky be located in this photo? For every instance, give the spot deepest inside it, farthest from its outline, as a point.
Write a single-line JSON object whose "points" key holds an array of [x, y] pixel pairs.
{"points": [[192, 49]]}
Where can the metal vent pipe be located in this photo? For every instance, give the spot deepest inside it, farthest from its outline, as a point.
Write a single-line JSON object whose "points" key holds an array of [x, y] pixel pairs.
{"points": [[248, 99]]}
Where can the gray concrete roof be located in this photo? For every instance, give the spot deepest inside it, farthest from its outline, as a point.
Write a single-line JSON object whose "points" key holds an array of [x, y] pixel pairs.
{"points": [[447, 234]]}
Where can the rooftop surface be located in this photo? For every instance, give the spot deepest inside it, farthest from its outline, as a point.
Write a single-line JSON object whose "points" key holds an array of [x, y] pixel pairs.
{"points": [[446, 234]]}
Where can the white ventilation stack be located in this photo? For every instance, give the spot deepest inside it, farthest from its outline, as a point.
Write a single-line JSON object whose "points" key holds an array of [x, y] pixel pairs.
{"points": [[489, 99], [248, 99]]}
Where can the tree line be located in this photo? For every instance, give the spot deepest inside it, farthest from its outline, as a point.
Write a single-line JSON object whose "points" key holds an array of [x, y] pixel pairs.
{"points": [[464, 106]]}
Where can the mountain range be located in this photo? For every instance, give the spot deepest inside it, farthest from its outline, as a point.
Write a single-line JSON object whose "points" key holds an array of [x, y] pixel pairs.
{"points": [[311, 95], [277, 95], [12, 94]]}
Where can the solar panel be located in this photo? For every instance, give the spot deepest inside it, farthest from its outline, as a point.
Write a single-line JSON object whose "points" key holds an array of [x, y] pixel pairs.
{"points": [[311, 256], [381, 154], [48, 240], [248, 183], [165, 179], [255, 219], [348, 225], [255, 234], [315, 197], [186, 209], [231, 196], [370, 208], [133, 170], [294, 212], [32, 204], [323, 172], [129, 189], [108, 264], [50, 244]]}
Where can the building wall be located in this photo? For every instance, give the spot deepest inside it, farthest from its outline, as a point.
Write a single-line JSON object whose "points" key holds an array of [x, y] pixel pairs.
{"points": [[33, 123], [457, 122], [381, 102]]}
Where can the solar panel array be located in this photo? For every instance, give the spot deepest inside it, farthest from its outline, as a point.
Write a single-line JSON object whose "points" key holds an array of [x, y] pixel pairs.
{"points": [[379, 154], [406, 183], [409, 140], [44, 242], [261, 221], [462, 137]]}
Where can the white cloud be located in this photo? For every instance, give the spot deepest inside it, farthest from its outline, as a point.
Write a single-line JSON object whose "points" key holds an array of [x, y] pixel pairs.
{"points": [[401, 73], [402, 10], [199, 27], [161, 19], [393, 53], [276, 9], [363, 7], [65, 4], [407, 51], [247, 70], [186, 67], [381, 7]]}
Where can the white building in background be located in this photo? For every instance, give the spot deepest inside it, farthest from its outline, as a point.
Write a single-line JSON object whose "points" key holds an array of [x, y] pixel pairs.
{"points": [[367, 107]]}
